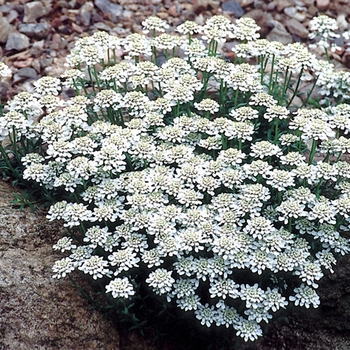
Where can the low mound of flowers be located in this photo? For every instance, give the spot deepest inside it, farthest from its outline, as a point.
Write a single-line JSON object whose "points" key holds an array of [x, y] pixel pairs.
{"points": [[196, 177]]}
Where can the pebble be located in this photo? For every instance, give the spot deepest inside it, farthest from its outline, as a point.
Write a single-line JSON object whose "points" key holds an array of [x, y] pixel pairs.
{"points": [[17, 41], [232, 8], [13, 14], [342, 22], [282, 4], [5, 29], [34, 10], [108, 8], [279, 33], [297, 28], [37, 30], [27, 73], [246, 3], [85, 13], [290, 11], [322, 5]]}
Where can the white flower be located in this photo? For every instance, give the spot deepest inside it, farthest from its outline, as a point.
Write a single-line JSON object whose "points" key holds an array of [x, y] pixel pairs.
{"points": [[161, 281], [305, 296], [63, 267], [96, 267], [120, 288]]}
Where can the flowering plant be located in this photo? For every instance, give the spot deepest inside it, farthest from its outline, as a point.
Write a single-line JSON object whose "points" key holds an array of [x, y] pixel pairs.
{"points": [[179, 170]]}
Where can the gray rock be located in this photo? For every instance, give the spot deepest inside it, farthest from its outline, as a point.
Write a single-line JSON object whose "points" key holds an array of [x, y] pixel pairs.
{"points": [[5, 29], [108, 8], [12, 16], [27, 73], [279, 33], [296, 28], [6, 8], [37, 30], [290, 11], [86, 12], [34, 10], [233, 8], [17, 41]]}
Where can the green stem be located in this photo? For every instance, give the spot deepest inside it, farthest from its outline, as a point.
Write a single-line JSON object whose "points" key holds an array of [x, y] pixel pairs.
{"points": [[313, 151], [297, 87]]}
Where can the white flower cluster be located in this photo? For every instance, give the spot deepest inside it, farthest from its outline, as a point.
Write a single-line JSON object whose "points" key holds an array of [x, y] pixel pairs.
{"points": [[195, 173]]}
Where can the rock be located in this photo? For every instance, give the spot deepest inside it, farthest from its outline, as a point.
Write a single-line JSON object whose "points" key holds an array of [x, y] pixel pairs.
{"points": [[233, 8], [262, 19], [6, 8], [4, 88], [296, 28], [17, 41], [12, 16], [270, 6], [28, 73], [246, 3], [23, 62], [5, 29], [173, 11], [36, 30], [290, 11], [37, 311], [25, 74], [57, 68], [203, 5], [322, 5], [342, 22], [313, 11], [112, 10], [282, 4], [34, 10], [85, 13], [279, 33], [308, 2]]}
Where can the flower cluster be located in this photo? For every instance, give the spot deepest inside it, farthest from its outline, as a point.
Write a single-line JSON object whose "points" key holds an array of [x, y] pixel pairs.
{"points": [[194, 171]]}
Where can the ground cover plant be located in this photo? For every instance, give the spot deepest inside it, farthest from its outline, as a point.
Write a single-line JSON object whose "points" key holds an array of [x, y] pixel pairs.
{"points": [[185, 176]]}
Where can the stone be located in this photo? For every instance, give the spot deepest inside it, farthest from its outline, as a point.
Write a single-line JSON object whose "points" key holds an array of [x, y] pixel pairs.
{"points": [[5, 29], [25, 74], [85, 13], [4, 88], [34, 10], [233, 8], [290, 11], [204, 5], [246, 3], [297, 28], [12, 16], [36, 30], [17, 41], [173, 11], [312, 10], [108, 8], [322, 5], [282, 4], [279, 33], [28, 73], [37, 311], [342, 22]]}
